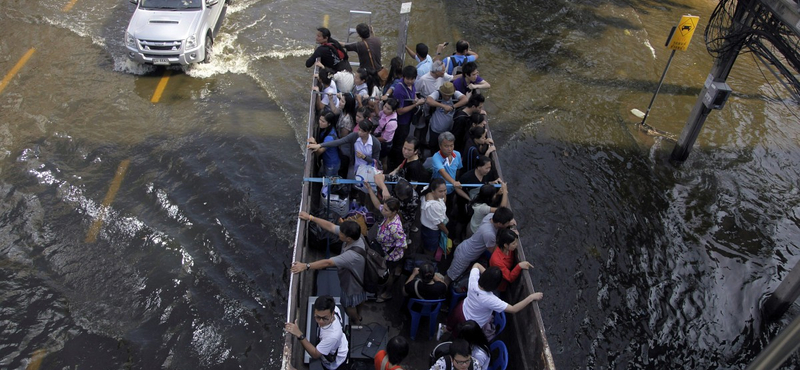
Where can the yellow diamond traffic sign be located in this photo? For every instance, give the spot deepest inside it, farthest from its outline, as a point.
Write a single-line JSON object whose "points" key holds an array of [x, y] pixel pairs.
{"points": [[681, 37]]}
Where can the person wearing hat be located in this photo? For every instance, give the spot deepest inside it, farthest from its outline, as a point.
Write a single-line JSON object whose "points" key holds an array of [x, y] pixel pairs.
{"points": [[445, 100]]}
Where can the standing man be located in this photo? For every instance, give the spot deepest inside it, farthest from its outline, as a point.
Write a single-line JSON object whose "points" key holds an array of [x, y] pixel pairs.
{"points": [[463, 55], [470, 80], [421, 56], [368, 49], [406, 94], [428, 83], [333, 346], [349, 264]]}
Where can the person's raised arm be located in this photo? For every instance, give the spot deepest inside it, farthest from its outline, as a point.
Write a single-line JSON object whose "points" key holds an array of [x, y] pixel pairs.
{"points": [[521, 304], [482, 85], [410, 52], [375, 202], [293, 329], [462, 101], [325, 224], [380, 182]]}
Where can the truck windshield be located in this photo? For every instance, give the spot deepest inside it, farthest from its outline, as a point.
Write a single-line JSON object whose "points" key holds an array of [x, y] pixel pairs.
{"points": [[172, 4]]}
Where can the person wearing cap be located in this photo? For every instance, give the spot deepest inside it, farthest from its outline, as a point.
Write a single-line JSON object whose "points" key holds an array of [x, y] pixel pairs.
{"points": [[445, 100]]}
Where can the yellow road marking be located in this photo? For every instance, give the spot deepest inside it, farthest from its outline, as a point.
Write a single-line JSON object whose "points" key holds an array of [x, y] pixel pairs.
{"points": [[325, 21], [36, 359], [16, 69], [161, 86], [69, 6], [112, 192]]}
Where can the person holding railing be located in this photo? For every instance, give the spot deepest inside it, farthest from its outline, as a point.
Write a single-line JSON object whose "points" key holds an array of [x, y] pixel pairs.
{"points": [[504, 257]]}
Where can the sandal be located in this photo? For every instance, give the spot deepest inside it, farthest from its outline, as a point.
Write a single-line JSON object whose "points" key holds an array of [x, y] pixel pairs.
{"points": [[383, 298]]}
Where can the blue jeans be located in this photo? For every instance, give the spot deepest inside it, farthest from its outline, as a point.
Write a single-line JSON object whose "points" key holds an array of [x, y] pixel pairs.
{"points": [[329, 171]]}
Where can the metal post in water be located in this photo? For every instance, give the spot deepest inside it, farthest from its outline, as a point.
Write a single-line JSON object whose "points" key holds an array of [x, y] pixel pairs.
{"points": [[785, 295], [660, 82], [402, 31], [742, 20], [779, 349]]}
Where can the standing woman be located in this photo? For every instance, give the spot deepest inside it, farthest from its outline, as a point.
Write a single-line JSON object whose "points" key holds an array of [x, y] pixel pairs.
{"points": [[391, 238], [330, 52], [433, 216], [330, 156]]}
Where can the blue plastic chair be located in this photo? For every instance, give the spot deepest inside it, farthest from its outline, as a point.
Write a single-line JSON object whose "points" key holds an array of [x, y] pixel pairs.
{"points": [[499, 322], [455, 298], [429, 308], [499, 362]]}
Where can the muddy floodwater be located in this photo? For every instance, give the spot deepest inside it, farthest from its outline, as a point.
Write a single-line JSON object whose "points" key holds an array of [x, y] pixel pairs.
{"points": [[142, 235]]}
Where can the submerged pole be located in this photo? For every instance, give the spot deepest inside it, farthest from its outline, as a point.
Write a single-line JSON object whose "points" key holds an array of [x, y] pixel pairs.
{"points": [[779, 349], [783, 297], [742, 22]]}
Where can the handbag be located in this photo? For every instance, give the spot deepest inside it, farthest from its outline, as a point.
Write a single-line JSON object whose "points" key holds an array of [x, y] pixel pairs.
{"points": [[366, 173], [383, 73]]}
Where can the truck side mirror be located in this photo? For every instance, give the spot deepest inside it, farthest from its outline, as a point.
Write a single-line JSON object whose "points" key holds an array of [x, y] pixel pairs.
{"points": [[134, 1], [210, 3]]}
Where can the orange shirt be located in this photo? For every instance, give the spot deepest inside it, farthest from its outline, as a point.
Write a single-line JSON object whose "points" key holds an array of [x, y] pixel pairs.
{"points": [[379, 358], [507, 265]]}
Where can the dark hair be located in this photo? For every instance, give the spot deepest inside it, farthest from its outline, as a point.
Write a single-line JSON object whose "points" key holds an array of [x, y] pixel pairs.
{"points": [[468, 68], [392, 102], [330, 117], [409, 72], [325, 303], [475, 132], [397, 349], [403, 189], [350, 229], [395, 69], [477, 118], [490, 279], [326, 33], [325, 76], [471, 332], [426, 272], [460, 347], [482, 161], [363, 30], [413, 141], [475, 100], [349, 105], [393, 204], [368, 77], [503, 215], [365, 125], [462, 46], [505, 237], [435, 183], [422, 51], [485, 195]]}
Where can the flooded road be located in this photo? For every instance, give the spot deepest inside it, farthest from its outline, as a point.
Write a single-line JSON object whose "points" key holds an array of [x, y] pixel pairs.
{"points": [[644, 264]]}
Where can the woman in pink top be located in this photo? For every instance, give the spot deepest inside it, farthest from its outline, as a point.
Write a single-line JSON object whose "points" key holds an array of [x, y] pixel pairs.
{"points": [[391, 237], [387, 124]]}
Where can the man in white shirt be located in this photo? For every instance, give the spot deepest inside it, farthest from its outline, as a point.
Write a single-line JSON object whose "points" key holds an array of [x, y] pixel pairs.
{"points": [[333, 346], [431, 81]]}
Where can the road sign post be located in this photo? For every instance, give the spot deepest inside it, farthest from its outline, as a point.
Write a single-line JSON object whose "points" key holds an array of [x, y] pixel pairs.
{"points": [[678, 39]]}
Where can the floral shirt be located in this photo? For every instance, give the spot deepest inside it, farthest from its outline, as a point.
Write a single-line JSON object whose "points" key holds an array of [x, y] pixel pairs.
{"points": [[391, 235]]}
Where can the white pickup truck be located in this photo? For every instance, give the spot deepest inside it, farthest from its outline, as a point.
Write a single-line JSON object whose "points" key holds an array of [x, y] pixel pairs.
{"points": [[165, 32]]}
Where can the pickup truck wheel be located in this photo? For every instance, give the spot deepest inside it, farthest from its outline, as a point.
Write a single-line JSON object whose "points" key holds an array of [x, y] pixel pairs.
{"points": [[208, 48]]}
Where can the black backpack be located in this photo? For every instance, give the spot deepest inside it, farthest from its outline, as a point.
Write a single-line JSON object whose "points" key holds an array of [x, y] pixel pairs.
{"points": [[376, 273]]}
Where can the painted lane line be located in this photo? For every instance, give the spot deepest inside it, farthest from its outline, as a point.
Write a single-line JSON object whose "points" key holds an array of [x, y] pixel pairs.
{"points": [[69, 6], [161, 86], [325, 20], [91, 237], [15, 70]]}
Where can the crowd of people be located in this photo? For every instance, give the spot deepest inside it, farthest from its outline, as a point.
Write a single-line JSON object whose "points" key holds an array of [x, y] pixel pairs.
{"points": [[421, 130]]}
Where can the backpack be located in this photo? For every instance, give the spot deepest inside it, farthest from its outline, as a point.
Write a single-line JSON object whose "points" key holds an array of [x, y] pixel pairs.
{"points": [[443, 350], [454, 63], [376, 273]]}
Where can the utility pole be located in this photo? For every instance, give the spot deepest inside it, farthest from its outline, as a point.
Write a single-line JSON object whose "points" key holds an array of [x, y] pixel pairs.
{"points": [[715, 91]]}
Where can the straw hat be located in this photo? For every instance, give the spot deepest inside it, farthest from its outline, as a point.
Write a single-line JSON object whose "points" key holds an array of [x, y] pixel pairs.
{"points": [[447, 88]]}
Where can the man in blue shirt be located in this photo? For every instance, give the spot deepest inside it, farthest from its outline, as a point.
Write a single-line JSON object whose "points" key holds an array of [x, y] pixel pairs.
{"points": [[462, 55], [446, 163]]}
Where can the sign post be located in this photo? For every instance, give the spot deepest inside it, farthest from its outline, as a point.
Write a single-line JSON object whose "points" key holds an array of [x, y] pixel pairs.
{"points": [[678, 39]]}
